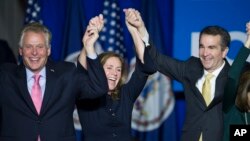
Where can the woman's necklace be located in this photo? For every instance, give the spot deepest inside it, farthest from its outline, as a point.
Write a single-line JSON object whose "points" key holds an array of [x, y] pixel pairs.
{"points": [[246, 118]]}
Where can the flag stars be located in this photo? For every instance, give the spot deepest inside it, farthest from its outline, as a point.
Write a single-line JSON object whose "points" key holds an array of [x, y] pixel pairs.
{"points": [[118, 34], [110, 37], [103, 38], [121, 38], [30, 2], [106, 3], [114, 5], [113, 23], [104, 29], [28, 10], [117, 43], [117, 51], [110, 48], [105, 12], [121, 47], [34, 14], [111, 40], [124, 50], [112, 32], [113, 14], [37, 8]]}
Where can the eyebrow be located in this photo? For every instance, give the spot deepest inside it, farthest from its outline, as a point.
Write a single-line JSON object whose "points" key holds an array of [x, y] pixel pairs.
{"points": [[113, 66]]}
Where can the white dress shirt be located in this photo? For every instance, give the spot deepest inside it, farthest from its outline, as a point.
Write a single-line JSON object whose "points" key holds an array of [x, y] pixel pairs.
{"points": [[200, 81], [30, 79]]}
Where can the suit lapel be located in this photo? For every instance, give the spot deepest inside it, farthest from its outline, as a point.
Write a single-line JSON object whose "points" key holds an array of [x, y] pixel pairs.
{"points": [[220, 84], [50, 85], [197, 74], [194, 73], [22, 84]]}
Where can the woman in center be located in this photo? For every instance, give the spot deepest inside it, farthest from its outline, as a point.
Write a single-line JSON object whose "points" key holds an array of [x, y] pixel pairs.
{"points": [[109, 117]]}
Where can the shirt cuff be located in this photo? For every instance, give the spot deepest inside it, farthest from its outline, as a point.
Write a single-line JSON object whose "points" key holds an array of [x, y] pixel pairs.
{"points": [[145, 39], [92, 56]]}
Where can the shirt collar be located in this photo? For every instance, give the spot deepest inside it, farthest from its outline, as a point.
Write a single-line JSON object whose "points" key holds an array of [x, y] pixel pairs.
{"points": [[30, 74], [217, 71]]}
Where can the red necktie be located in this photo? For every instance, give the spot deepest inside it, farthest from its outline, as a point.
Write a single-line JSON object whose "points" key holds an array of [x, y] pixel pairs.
{"points": [[36, 93]]}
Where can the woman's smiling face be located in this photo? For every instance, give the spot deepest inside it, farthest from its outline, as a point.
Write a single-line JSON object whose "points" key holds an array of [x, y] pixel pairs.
{"points": [[113, 71]]}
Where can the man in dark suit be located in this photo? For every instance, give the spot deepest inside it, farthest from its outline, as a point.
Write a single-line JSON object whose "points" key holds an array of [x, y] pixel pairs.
{"points": [[6, 54], [59, 86], [204, 115]]}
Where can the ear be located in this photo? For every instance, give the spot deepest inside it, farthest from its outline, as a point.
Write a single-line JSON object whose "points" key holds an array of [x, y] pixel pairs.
{"points": [[49, 51], [225, 52]]}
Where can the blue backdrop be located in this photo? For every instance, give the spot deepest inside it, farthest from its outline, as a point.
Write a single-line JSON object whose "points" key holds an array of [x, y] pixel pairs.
{"points": [[190, 16], [173, 26]]}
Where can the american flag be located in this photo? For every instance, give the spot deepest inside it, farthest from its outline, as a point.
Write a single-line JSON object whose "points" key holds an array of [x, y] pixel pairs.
{"points": [[111, 37], [33, 12]]}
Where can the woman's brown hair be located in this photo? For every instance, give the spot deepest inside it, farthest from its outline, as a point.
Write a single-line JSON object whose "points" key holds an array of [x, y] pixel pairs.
{"points": [[243, 90]]}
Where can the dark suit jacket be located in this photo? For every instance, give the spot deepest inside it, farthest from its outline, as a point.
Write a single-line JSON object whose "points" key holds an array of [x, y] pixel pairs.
{"points": [[19, 120], [104, 119], [199, 117], [6, 54]]}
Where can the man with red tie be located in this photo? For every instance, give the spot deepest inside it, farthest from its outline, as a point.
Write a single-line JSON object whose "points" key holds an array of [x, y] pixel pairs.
{"points": [[37, 97]]}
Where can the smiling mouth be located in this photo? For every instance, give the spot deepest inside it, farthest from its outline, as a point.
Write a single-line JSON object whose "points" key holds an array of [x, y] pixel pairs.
{"points": [[34, 59], [112, 79]]}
